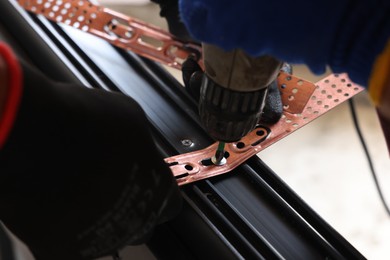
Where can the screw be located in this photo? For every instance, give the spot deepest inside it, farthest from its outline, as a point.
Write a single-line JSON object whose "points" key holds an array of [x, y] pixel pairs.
{"points": [[187, 142]]}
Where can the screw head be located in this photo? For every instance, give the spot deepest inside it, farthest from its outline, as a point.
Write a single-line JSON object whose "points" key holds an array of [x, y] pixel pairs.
{"points": [[187, 142], [220, 163]]}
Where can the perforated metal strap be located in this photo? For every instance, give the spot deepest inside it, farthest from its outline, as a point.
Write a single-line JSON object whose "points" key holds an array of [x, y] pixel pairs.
{"points": [[116, 28], [303, 102]]}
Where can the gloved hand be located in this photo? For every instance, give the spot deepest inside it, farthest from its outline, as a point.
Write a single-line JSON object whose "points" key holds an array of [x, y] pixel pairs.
{"points": [[346, 35], [80, 176], [169, 9], [192, 73]]}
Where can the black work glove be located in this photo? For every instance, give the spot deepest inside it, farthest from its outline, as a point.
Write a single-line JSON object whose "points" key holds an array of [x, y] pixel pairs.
{"points": [[169, 9], [80, 176]]}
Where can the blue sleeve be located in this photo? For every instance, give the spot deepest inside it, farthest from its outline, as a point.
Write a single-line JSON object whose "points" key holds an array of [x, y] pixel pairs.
{"points": [[345, 35]]}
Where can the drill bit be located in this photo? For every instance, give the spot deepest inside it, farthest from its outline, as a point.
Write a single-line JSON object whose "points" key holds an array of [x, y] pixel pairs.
{"points": [[218, 158]]}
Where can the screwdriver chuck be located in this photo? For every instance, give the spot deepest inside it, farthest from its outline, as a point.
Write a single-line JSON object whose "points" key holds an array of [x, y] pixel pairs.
{"points": [[228, 115], [233, 91]]}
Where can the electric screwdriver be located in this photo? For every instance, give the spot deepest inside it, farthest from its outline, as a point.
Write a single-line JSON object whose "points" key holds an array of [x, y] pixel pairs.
{"points": [[233, 93]]}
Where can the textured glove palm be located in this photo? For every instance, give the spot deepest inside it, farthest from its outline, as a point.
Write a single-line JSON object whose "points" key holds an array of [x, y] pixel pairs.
{"points": [[80, 176]]}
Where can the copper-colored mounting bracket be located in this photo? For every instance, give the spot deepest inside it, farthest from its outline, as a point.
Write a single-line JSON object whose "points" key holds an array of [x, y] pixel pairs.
{"points": [[303, 101], [118, 29]]}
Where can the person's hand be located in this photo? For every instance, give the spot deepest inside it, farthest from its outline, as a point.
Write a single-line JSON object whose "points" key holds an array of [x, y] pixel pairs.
{"points": [[169, 9], [80, 176], [346, 35], [192, 73]]}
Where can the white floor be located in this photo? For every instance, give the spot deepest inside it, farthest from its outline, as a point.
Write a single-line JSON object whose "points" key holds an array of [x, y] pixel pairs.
{"points": [[324, 163]]}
